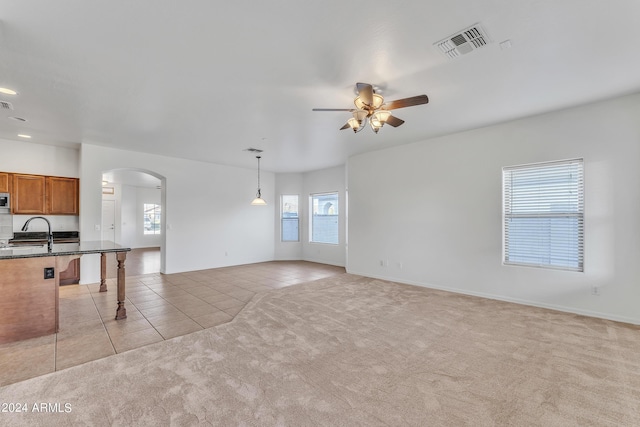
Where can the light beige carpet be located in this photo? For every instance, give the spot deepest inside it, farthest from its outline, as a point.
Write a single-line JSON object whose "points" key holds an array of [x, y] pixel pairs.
{"points": [[354, 351]]}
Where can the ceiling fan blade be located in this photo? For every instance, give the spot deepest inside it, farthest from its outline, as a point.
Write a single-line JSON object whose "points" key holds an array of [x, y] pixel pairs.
{"points": [[406, 102], [365, 91], [394, 121], [334, 109], [346, 126]]}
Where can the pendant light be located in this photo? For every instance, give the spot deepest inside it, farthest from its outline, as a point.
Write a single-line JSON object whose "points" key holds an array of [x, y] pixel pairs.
{"points": [[258, 201]]}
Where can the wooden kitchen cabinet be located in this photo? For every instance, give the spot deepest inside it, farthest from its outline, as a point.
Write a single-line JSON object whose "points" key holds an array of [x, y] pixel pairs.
{"points": [[72, 274], [44, 195], [28, 195], [5, 182], [62, 196]]}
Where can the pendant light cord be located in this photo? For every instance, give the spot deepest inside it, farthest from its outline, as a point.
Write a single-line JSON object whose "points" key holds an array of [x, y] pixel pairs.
{"points": [[258, 157]]}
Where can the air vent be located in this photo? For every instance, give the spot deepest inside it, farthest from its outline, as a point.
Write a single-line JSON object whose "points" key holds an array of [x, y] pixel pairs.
{"points": [[253, 150], [4, 105], [463, 42]]}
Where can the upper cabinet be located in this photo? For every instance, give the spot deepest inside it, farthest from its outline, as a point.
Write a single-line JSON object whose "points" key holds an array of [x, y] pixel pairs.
{"points": [[44, 195], [29, 194], [5, 182], [62, 196]]}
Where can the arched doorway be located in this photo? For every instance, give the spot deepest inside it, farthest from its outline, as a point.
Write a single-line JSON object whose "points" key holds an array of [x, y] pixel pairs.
{"points": [[133, 206]]}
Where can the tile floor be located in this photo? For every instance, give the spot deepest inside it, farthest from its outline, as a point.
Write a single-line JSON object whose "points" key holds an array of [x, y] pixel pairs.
{"points": [[139, 261], [159, 307]]}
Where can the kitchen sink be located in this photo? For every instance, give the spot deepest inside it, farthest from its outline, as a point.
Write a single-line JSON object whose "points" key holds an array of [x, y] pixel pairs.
{"points": [[19, 247]]}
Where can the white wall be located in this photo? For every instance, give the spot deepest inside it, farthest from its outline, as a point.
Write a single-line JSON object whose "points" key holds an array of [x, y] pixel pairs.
{"points": [[289, 184], [129, 223], [207, 213], [324, 181], [305, 184], [128, 211], [145, 195], [432, 210], [40, 159]]}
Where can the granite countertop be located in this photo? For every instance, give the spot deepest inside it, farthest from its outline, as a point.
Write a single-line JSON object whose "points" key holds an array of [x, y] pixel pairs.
{"points": [[59, 249]]}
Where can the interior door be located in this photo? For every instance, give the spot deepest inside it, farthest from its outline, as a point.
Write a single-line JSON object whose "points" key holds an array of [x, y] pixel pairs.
{"points": [[109, 220]]}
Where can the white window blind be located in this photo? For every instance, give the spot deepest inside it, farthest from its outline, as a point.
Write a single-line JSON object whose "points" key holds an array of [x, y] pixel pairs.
{"points": [[324, 218], [544, 214], [289, 219]]}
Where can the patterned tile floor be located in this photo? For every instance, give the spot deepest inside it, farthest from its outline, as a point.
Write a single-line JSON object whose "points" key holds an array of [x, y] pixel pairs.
{"points": [[159, 307]]}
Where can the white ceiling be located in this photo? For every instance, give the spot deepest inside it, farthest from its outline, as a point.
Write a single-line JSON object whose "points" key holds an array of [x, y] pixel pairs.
{"points": [[203, 80]]}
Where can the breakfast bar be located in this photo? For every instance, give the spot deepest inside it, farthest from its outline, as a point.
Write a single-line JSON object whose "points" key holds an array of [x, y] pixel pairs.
{"points": [[29, 281]]}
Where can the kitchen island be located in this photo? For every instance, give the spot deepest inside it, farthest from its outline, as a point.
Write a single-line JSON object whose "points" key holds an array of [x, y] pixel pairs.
{"points": [[29, 281]]}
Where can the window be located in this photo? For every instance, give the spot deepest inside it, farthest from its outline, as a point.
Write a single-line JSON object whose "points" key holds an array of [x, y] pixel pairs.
{"points": [[151, 218], [289, 219], [324, 218], [544, 215]]}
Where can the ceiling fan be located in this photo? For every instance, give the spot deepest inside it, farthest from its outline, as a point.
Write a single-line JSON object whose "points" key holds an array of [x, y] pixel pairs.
{"points": [[370, 105]]}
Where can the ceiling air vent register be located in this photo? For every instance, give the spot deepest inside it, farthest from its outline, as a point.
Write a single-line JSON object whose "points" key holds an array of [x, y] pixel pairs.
{"points": [[463, 42], [4, 105]]}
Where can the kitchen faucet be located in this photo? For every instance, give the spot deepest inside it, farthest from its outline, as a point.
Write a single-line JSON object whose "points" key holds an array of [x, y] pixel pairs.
{"points": [[49, 235]]}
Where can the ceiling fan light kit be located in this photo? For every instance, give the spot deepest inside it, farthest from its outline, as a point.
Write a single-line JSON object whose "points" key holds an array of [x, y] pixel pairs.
{"points": [[356, 121], [370, 105], [258, 201], [378, 119]]}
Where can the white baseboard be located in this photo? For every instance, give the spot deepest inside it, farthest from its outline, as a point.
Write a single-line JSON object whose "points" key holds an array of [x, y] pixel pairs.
{"points": [[322, 261], [573, 310]]}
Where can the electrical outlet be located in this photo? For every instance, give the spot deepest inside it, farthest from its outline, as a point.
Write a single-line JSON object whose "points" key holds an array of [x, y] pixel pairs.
{"points": [[49, 273], [381, 263], [399, 266], [595, 290]]}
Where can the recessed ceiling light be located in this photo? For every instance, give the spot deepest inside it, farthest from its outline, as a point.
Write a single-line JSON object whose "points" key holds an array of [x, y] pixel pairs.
{"points": [[22, 135], [8, 91], [18, 119]]}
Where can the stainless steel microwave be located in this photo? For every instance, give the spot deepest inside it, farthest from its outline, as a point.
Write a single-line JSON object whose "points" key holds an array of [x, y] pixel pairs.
{"points": [[5, 203]]}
